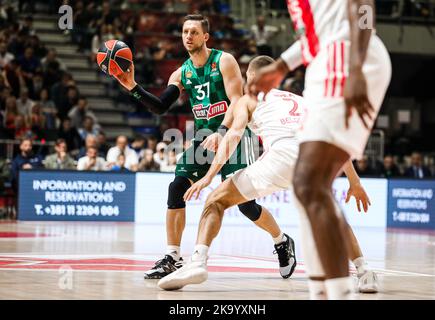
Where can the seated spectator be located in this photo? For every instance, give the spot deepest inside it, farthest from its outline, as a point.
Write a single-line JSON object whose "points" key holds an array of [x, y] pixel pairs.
{"points": [[60, 160], [138, 146], [363, 167], [48, 109], [103, 146], [37, 120], [14, 77], [417, 170], [389, 169], [29, 65], [262, 34], [11, 112], [25, 160], [91, 162], [79, 112], [171, 162], [131, 160], [70, 135], [160, 156], [152, 143], [147, 163], [88, 128], [5, 56], [59, 94], [120, 164], [25, 104], [22, 128], [91, 141], [51, 61]]}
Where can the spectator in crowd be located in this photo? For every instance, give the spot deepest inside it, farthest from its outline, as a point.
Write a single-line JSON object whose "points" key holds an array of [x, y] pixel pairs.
{"points": [[120, 164], [79, 112], [51, 61], [152, 143], [59, 94], [103, 146], [88, 128], [27, 27], [363, 167], [14, 77], [131, 160], [249, 52], [138, 146], [48, 109], [39, 50], [417, 170], [25, 160], [29, 65], [60, 160], [171, 162], [160, 157], [5, 56], [37, 119], [389, 169], [70, 135], [11, 112], [91, 162], [147, 163], [22, 128], [25, 104], [91, 141], [296, 83], [262, 34], [72, 98]]}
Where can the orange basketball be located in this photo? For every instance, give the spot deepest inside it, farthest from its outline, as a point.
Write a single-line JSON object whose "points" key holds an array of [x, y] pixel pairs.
{"points": [[114, 57]]}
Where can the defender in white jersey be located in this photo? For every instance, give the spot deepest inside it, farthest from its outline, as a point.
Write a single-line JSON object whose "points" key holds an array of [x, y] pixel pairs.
{"points": [[276, 119], [348, 72]]}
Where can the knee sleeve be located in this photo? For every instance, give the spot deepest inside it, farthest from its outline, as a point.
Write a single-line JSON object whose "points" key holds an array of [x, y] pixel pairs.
{"points": [[176, 191], [251, 210]]}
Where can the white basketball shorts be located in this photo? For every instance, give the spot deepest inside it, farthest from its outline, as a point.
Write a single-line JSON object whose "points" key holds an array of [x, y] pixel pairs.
{"points": [[273, 171], [324, 84]]}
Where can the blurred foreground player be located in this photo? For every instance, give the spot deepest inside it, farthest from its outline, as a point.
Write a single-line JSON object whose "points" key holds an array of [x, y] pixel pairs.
{"points": [[277, 119], [213, 81], [347, 76]]}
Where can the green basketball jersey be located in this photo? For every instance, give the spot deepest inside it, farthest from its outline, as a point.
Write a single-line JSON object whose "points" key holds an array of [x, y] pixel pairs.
{"points": [[206, 90]]}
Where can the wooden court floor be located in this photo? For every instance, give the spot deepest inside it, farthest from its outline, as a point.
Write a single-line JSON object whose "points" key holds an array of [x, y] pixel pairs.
{"points": [[100, 260]]}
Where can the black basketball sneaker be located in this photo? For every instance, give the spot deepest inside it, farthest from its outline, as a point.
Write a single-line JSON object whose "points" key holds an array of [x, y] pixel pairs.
{"points": [[163, 267], [286, 257]]}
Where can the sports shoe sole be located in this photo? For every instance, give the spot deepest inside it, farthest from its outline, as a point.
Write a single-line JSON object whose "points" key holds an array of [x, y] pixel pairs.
{"points": [[176, 282]]}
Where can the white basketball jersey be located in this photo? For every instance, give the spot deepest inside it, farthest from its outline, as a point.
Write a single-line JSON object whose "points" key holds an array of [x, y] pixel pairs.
{"points": [[318, 23], [279, 116]]}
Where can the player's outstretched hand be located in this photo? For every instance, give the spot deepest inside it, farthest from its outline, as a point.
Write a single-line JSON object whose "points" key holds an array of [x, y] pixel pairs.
{"points": [[360, 195], [355, 96], [267, 78], [212, 142], [197, 187], [126, 79]]}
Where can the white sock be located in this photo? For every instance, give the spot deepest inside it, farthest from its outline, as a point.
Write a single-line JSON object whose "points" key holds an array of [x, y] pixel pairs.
{"points": [[200, 252], [174, 252], [360, 265], [279, 239], [317, 290], [340, 288]]}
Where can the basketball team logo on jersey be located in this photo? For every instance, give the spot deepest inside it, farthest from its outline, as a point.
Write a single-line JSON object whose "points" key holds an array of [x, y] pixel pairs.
{"points": [[202, 112]]}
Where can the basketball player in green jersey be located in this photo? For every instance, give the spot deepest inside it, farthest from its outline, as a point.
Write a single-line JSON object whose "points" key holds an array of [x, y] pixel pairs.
{"points": [[214, 83]]}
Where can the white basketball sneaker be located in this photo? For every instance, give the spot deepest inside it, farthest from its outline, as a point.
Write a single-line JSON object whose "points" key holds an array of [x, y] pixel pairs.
{"points": [[193, 272], [368, 282]]}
